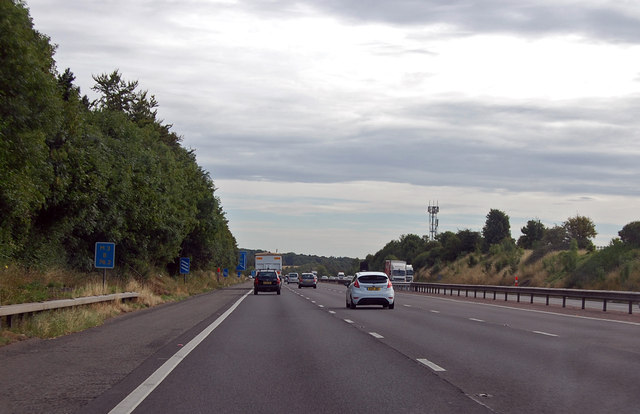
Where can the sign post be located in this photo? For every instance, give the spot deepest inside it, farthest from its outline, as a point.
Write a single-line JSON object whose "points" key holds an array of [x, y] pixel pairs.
{"points": [[105, 258]]}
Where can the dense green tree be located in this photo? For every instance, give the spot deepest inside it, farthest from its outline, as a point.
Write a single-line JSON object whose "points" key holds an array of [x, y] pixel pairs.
{"points": [[29, 110], [532, 233], [581, 229], [451, 246], [470, 240], [74, 173], [630, 234], [556, 238], [496, 227], [410, 246], [116, 94]]}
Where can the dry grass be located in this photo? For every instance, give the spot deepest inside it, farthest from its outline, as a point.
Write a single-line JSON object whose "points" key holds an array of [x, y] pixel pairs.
{"points": [[16, 285]]}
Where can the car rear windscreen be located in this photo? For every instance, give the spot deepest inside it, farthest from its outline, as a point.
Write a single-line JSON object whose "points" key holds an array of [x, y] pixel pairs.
{"points": [[372, 279]]}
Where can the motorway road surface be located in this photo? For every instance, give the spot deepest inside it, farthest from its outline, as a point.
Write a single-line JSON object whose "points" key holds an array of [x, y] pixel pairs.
{"points": [[303, 351]]}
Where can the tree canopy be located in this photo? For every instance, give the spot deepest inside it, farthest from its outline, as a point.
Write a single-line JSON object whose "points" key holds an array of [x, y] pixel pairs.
{"points": [[496, 228], [74, 172], [582, 230]]}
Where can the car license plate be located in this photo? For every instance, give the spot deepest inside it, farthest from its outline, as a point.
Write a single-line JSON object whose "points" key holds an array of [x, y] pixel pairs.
{"points": [[373, 288], [266, 283]]}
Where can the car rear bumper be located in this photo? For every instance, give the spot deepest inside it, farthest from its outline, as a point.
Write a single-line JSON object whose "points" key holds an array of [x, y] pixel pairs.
{"points": [[267, 288], [373, 301], [364, 297]]}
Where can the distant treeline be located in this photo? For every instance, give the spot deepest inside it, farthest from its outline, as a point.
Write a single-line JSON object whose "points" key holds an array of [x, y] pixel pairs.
{"points": [[293, 262], [75, 172]]}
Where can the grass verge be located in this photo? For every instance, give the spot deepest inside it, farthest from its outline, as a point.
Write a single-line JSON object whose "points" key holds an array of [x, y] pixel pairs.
{"points": [[23, 286]]}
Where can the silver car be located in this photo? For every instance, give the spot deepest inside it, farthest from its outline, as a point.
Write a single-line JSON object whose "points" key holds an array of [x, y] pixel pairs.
{"points": [[292, 278], [370, 288], [308, 279]]}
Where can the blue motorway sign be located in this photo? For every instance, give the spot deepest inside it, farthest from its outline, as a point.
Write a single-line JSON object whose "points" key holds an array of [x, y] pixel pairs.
{"points": [[242, 263], [105, 256], [185, 264]]}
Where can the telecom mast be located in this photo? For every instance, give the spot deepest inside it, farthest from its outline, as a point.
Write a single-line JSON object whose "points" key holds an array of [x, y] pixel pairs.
{"points": [[433, 220]]}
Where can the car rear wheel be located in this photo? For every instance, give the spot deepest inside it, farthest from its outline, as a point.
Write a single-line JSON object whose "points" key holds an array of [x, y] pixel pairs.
{"points": [[392, 305], [278, 291], [352, 305], [255, 292]]}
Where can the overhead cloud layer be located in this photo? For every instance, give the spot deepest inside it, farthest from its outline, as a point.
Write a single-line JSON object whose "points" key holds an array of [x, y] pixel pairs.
{"points": [[329, 125]]}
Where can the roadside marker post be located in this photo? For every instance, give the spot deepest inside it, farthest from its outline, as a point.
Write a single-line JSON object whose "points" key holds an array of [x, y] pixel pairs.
{"points": [[185, 266]]}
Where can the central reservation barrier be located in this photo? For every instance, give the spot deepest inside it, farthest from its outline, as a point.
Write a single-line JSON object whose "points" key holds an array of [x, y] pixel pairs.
{"points": [[604, 296]]}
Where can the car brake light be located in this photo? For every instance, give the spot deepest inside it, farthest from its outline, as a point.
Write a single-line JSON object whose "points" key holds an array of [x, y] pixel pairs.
{"points": [[356, 284], [389, 285]]}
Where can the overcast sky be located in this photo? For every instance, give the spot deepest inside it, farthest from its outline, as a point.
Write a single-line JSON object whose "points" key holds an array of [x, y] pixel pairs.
{"points": [[329, 126]]}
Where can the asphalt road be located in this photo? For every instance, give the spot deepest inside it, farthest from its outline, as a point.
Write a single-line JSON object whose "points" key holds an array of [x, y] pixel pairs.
{"points": [[303, 351]]}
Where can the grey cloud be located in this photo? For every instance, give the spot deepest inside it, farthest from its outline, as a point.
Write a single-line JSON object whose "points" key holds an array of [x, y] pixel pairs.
{"points": [[525, 156], [492, 16]]}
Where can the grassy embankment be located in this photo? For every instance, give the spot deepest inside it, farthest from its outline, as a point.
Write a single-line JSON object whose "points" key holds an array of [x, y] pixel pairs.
{"points": [[22, 286], [613, 268]]}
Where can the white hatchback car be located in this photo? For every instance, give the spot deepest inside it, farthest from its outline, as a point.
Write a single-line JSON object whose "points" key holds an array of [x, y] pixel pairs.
{"points": [[370, 288]]}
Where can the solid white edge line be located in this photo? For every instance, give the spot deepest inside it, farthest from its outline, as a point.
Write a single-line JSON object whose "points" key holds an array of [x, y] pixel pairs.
{"points": [[431, 365], [376, 335], [138, 395], [348, 321]]}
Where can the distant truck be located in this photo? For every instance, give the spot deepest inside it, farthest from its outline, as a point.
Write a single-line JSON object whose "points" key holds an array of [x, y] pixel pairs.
{"points": [[269, 261], [396, 270], [409, 270]]}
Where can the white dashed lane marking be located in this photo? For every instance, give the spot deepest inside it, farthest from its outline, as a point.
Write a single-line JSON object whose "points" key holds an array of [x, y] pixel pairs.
{"points": [[431, 365], [545, 333]]}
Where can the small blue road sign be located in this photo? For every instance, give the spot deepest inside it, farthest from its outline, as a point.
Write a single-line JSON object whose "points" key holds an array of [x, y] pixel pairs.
{"points": [[105, 255], [185, 264], [225, 272], [242, 263]]}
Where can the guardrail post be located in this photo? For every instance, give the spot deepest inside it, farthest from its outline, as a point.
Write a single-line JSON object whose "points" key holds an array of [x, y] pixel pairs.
{"points": [[583, 301], [518, 296], [604, 305], [564, 301], [547, 300]]}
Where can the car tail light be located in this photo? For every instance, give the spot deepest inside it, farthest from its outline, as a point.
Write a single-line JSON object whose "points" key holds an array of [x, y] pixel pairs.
{"points": [[389, 285], [356, 284]]}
